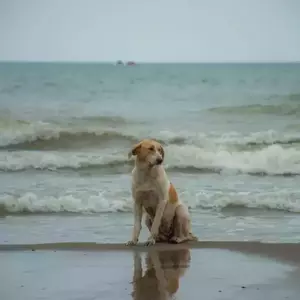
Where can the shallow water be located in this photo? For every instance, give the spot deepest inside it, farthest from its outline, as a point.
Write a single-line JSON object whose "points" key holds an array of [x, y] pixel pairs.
{"points": [[230, 132]]}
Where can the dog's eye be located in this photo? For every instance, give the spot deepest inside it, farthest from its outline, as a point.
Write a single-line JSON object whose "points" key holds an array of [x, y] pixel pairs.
{"points": [[151, 148]]}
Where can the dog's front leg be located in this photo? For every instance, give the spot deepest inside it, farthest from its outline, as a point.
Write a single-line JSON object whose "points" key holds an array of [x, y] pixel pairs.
{"points": [[138, 213], [156, 223]]}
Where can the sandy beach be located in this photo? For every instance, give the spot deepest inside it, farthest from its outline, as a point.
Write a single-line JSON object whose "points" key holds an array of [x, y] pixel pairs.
{"points": [[213, 270]]}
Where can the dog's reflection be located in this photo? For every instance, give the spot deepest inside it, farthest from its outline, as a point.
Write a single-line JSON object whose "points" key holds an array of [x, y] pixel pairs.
{"points": [[162, 274]]}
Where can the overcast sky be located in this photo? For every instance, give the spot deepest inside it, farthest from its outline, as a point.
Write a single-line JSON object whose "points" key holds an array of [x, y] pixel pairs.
{"points": [[150, 30]]}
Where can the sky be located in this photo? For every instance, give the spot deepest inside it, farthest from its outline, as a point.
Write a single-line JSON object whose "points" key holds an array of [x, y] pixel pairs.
{"points": [[150, 30]]}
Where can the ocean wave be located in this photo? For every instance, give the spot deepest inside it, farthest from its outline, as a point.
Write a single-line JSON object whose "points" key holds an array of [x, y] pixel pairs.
{"points": [[286, 109], [272, 160], [101, 120], [62, 139], [220, 170], [9, 121], [240, 141], [24, 135], [257, 140], [32, 203], [18, 134], [280, 200], [284, 141], [21, 161], [55, 140]]}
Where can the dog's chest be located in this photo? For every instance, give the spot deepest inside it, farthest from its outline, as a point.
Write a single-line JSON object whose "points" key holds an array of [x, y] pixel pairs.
{"points": [[148, 191], [149, 200], [144, 182]]}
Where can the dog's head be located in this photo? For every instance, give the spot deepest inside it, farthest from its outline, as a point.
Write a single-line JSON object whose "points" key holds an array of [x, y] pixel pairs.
{"points": [[148, 152]]}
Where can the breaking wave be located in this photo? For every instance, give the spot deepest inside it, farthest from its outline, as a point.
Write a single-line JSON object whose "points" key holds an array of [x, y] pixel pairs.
{"points": [[280, 200], [32, 203], [68, 140], [84, 133], [81, 144], [75, 133], [97, 132], [271, 160]]}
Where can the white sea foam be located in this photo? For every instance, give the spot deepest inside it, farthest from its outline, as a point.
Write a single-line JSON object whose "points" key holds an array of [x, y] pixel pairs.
{"points": [[32, 203], [272, 160], [24, 134], [101, 202], [23, 160], [277, 200]]}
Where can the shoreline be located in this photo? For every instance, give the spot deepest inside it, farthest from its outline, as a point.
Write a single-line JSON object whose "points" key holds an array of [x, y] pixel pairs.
{"points": [[281, 251]]}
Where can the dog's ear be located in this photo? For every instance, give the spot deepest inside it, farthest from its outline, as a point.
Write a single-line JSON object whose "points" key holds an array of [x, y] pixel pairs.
{"points": [[162, 152], [134, 150]]}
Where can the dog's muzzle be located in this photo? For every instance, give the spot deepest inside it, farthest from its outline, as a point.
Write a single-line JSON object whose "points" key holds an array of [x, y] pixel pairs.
{"points": [[159, 161]]}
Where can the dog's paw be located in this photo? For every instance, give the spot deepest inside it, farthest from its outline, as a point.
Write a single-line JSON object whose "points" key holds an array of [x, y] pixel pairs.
{"points": [[193, 238], [131, 243], [150, 241], [175, 240]]}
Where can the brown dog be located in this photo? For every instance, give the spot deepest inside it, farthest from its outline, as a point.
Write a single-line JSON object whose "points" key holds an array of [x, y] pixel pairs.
{"points": [[167, 218]]}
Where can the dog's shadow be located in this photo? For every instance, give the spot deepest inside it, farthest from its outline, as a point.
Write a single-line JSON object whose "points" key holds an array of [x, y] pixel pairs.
{"points": [[162, 273]]}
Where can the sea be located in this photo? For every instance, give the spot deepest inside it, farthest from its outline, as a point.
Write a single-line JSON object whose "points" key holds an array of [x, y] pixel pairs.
{"points": [[231, 134]]}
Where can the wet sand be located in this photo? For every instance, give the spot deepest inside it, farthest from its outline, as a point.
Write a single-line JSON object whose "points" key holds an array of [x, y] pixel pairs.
{"points": [[208, 270], [281, 251]]}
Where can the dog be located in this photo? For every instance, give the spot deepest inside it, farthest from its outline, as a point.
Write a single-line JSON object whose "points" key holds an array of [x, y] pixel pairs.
{"points": [[161, 275], [167, 218]]}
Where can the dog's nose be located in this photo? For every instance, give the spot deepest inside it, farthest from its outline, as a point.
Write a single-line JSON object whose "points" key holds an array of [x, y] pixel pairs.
{"points": [[159, 161]]}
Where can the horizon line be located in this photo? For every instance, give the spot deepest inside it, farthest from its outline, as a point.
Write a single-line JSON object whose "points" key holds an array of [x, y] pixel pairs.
{"points": [[152, 62]]}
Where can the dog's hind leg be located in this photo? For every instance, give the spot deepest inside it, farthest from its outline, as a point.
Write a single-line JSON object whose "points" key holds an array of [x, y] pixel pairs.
{"points": [[182, 226]]}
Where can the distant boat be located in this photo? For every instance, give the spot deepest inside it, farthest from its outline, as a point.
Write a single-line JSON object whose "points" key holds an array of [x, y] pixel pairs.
{"points": [[131, 63], [119, 62]]}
